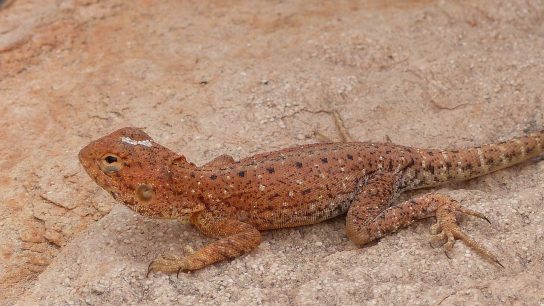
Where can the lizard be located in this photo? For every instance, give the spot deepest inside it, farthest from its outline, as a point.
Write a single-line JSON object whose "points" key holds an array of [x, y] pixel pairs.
{"points": [[233, 201]]}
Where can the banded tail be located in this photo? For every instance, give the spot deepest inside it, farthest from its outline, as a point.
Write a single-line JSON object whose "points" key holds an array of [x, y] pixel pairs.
{"points": [[440, 166]]}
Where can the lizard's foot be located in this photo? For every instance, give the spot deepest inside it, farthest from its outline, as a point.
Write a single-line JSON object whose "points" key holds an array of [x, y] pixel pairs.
{"points": [[339, 123], [170, 263], [437, 236], [167, 263], [387, 139], [322, 138], [446, 230]]}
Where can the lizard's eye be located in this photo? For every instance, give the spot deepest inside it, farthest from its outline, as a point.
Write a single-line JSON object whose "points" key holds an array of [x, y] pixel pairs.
{"points": [[110, 159], [110, 163]]}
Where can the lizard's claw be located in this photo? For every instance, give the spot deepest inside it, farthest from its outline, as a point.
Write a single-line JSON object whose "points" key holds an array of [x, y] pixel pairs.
{"points": [[167, 263], [181, 269], [449, 231]]}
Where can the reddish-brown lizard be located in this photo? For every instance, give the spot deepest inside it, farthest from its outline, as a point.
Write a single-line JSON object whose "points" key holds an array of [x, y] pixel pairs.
{"points": [[234, 200]]}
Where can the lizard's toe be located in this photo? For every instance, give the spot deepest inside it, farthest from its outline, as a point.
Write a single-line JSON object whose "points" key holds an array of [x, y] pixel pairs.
{"points": [[471, 212], [450, 242], [446, 218], [188, 249], [437, 240]]}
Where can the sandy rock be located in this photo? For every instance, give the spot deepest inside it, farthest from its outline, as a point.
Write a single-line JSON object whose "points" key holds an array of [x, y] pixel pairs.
{"points": [[211, 78]]}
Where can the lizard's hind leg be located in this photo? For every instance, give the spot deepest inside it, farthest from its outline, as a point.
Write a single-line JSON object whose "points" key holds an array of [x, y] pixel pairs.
{"points": [[445, 208], [376, 196]]}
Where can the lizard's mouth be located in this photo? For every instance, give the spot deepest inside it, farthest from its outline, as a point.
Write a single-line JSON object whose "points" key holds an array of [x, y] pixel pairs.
{"points": [[113, 194]]}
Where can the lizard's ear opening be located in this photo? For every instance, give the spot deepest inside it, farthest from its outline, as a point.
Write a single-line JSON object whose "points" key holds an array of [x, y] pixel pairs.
{"points": [[110, 163], [145, 192]]}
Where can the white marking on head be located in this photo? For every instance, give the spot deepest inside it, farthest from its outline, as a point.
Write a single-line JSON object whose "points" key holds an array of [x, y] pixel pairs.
{"points": [[145, 143]]}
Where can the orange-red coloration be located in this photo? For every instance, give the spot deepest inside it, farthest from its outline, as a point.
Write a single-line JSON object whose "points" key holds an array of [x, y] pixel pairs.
{"points": [[234, 200]]}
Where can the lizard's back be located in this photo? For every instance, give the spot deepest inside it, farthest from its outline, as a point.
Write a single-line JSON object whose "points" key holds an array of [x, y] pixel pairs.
{"points": [[311, 183], [296, 186]]}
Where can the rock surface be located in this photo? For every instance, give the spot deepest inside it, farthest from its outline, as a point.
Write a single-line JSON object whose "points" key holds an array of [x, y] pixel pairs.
{"points": [[242, 77]]}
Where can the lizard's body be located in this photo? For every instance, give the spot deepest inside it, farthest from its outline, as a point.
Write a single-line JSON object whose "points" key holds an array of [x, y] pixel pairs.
{"points": [[234, 200]]}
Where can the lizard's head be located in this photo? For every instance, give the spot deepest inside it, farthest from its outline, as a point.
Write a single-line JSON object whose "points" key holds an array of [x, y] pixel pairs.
{"points": [[136, 171]]}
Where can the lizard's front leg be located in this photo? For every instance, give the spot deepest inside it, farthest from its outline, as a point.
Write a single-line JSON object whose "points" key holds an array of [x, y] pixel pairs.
{"points": [[235, 239], [363, 227]]}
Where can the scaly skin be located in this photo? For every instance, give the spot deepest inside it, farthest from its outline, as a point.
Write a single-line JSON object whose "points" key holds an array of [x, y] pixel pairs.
{"points": [[234, 200]]}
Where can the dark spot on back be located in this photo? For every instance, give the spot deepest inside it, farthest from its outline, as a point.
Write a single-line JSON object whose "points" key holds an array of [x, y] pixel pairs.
{"points": [[306, 191], [350, 157], [213, 176], [241, 173], [270, 170], [324, 160], [298, 164]]}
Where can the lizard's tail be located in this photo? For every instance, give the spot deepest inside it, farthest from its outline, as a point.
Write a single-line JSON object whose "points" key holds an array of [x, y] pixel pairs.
{"points": [[438, 166]]}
